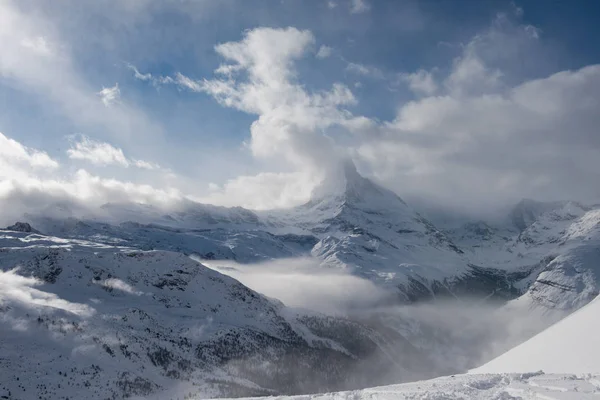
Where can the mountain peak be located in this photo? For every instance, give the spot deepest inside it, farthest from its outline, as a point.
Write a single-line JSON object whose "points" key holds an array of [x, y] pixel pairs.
{"points": [[344, 182]]}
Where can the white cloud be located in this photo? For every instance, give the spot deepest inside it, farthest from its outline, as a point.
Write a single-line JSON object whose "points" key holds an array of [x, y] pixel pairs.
{"points": [[490, 148], [359, 6], [97, 153], [290, 120], [100, 153], [18, 289], [110, 95], [324, 52], [14, 153], [302, 282], [117, 284], [420, 82], [264, 191], [145, 164], [38, 45], [331, 4], [30, 181], [259, 78]]}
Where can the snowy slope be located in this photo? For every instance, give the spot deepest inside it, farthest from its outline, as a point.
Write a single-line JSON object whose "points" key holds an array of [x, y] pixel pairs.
{"points": [[569, 346], [85, 319], [529, 386]]}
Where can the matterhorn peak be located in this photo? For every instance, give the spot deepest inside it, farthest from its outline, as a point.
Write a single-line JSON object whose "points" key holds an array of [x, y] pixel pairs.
{"points": [[344, 183]]}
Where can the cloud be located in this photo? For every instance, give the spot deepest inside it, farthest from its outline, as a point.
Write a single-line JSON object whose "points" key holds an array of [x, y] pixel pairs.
{"points": [[324, 52], [476, 134], [264, 191], [365, 70], [110, 95], [13, 153], [482, 150], [37, 45], [117, 284], [359, 6], [420, 82], [259, 78], [18, 289], [302, 282], [145, 164], [35, 59], [31, 181], [99, 153]]}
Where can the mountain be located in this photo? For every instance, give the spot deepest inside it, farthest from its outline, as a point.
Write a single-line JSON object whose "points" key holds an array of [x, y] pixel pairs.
{"points": [[85, 319], [368, 230], [356, 226], [112, 300], [527, 211]]}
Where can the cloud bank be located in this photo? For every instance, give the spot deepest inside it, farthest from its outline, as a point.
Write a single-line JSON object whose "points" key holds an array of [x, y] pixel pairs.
{"points": [[483, 129]]}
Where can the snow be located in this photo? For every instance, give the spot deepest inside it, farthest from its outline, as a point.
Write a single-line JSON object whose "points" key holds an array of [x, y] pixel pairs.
{"points": [[513, 386], [571, 345]]}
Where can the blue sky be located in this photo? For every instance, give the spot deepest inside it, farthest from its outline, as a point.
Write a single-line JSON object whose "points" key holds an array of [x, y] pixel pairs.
{"points": [[431, 98]]}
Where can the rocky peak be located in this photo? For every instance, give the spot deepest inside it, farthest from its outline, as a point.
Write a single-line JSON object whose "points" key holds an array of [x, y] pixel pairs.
{"points": [[21, 227]]}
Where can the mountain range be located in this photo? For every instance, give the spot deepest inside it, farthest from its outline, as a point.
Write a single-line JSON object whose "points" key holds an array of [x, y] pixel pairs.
{"points": [[117, 302]]}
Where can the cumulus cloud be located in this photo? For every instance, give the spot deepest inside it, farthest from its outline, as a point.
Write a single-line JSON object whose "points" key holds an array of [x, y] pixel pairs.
{"points": [[100, 153], [480, 141], [291, 129], [475, 134]]}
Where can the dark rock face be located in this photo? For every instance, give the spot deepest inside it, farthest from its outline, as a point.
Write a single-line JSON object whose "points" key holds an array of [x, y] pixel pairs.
{"points": [[22, 227]]}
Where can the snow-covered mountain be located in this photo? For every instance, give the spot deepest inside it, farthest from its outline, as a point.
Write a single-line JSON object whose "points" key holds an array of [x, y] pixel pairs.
{"points": [[85, 319], [357, 226], [116, 291]]}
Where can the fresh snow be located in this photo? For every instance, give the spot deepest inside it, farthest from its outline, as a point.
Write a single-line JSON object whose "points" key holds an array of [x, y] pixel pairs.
{"points": [[569, 346], [528, 386]]}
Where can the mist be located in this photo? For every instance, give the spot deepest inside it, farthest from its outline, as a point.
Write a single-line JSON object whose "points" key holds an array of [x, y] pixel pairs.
{"points": [[304, 283], [456, 334]]}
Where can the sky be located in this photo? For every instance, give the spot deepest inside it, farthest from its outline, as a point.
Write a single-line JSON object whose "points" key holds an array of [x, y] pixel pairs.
{"points": [[467, 104]]}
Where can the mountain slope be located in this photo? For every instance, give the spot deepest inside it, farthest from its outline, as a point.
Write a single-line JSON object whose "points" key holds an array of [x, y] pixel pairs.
{"points": [[371, 232], [85, 319]]}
